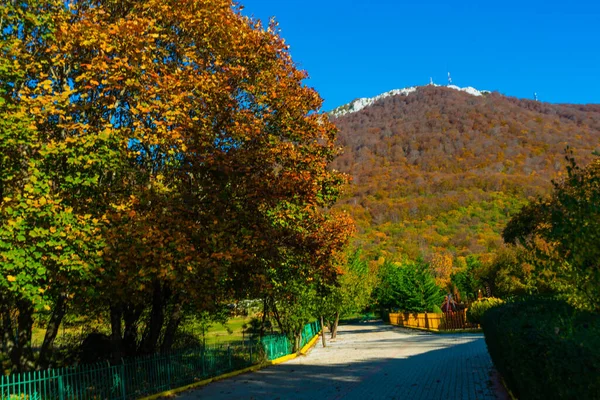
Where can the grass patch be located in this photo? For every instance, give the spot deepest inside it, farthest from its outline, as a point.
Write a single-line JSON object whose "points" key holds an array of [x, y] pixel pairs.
{"points": [[231, 331]]}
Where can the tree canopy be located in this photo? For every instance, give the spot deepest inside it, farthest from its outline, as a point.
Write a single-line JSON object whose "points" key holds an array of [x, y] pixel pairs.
{"points": [[408, 287], [155, 155], [562, 233]]}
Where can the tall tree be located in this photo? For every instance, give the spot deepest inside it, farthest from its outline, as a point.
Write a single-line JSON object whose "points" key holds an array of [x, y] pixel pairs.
{"points": [[54, 167], [351, 293], [159, 153]]}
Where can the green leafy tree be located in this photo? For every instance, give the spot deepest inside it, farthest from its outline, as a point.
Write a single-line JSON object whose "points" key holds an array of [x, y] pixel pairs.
{"points": [[292, 305], [511, 272], [467, 281], [350, 294], [52, 180]]}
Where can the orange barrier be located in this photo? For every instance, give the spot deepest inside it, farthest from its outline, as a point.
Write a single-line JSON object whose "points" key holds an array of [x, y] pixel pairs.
{"points": [[433, 321]]}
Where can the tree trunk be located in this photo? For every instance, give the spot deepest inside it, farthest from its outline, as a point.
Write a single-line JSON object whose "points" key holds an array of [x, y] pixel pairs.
{"points": [[335, 325], [276, 315], [157, 318], [297, 341], [116, 316], [264, 317], [22, 355], [7, 327], [174, 320], [60, 309], [131, 317], [323, 333]]}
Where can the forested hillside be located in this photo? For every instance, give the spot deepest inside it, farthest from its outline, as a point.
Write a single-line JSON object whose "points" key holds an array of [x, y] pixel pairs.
{"points": [[437, 173]]}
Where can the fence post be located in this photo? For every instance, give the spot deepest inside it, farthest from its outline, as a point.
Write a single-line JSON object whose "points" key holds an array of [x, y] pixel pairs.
{"points": [[229, 355], [123, 392], [61, 387], [168, 364]]}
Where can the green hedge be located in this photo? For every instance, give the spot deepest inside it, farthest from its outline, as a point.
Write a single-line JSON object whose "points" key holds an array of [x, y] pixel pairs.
{"points": [[545, 349]]}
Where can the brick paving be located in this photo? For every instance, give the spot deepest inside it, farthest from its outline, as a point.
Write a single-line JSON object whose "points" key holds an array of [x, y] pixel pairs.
{"points": [[372, 361]]}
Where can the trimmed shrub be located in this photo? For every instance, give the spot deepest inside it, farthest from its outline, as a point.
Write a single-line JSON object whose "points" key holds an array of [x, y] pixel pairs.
{"points": [[479, 307], [545, 349]]}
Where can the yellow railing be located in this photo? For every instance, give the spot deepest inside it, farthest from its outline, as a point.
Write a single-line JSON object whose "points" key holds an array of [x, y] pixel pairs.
{"points": [[433, 321]]}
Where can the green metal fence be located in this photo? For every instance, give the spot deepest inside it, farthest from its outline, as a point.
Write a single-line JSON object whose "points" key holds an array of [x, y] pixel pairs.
{"points": [[144, 376], [131, 379], [276, 346], [310, 330]]}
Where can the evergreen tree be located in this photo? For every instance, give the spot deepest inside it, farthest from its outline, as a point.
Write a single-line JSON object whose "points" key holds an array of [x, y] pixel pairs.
{"points": [[407, 287]]}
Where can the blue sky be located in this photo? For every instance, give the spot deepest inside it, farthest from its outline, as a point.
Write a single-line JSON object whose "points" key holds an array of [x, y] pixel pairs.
{"points": [[357, 49]]}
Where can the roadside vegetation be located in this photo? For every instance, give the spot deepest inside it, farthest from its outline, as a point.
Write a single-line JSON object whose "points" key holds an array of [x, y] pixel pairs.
{"points": [[546, 345]]}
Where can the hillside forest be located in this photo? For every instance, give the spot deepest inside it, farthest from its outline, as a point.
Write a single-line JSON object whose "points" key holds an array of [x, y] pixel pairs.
{"points": [[437, 174]]}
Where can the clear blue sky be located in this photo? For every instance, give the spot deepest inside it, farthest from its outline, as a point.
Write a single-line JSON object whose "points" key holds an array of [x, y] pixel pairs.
{"points": [[357, 49]]}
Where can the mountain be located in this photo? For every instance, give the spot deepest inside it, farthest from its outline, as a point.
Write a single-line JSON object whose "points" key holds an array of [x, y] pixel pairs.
{"points": [[440, 170]]}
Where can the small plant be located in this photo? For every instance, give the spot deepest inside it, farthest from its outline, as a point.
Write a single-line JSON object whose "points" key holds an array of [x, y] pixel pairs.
{"points": [[479, 307]]}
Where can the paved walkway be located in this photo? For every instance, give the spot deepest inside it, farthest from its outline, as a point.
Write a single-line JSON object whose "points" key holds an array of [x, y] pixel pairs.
{"points": [[372, 361]]}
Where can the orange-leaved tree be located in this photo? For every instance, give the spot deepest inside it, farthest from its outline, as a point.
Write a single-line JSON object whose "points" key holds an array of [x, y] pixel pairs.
{"points": [[180, 137]]}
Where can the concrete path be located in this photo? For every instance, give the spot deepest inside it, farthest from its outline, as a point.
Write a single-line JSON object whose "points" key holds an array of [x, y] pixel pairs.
{"points": [[372, 361]]}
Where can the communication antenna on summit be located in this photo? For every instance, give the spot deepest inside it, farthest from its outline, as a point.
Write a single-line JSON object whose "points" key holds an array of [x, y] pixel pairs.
{"points": [[431, 81], [449, 79], [535, 98]]}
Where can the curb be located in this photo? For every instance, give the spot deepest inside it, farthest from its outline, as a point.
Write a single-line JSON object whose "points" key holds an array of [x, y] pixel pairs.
{"points": [[510, 393], [310, 343], [253, 368]]}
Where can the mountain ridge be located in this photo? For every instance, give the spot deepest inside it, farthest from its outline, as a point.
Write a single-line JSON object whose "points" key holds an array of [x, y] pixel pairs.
{"points": [[360, 103]]}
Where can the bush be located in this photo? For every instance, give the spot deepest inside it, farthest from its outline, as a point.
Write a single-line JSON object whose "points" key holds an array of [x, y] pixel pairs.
{"points": [[545, 349], [436, 309], [479, 307]]}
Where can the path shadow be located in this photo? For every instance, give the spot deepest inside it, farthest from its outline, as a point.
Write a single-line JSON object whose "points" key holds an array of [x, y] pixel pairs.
{"points": [[455, 371]]}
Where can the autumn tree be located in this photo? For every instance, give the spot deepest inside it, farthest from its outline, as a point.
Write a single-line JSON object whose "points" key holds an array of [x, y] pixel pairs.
{"points": [[156, 156], [511, 272], [441, 266], [562, 232]]}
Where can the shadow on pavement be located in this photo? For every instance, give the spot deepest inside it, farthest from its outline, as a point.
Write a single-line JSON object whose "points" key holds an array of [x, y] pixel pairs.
{"points": [[454, 371]]}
